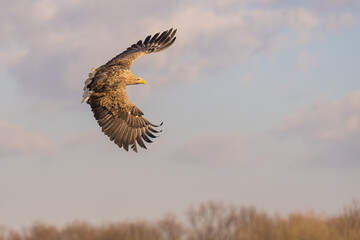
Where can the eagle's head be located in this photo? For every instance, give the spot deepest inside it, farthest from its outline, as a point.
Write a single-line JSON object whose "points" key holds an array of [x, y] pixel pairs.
{"points": [[135, 80]]}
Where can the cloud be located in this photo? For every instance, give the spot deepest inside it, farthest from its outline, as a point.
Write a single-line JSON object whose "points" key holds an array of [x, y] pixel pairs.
{"points": [[306, 61], [54, 44], [16, 139], [85, 138], [227, 31], [327, 133], [218, 148], [338, 4], [332, 127], [232, 33], [327, 121], [44, 10], [12, 54], [342, 20]]}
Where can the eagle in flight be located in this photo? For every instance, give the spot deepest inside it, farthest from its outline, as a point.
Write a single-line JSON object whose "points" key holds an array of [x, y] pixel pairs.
{"points": [[105, 91]]}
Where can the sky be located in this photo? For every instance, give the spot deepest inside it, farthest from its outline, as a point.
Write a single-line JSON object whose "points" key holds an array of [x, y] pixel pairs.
{"points": [[260, 102]]}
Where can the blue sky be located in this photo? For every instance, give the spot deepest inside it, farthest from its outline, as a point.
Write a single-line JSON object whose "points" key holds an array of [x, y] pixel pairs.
{"points": [[260, 102]]}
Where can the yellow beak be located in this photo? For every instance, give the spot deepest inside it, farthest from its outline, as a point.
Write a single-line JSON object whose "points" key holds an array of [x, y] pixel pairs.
{"points": [[143, 81]]}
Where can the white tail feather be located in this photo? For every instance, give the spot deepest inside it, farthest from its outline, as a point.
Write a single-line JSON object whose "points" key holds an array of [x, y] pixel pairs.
{"points": [[87, 91]]}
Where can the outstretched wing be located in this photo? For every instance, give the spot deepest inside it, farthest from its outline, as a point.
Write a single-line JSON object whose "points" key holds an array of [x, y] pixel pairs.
{"points": [[122, 121], [156, 43]]}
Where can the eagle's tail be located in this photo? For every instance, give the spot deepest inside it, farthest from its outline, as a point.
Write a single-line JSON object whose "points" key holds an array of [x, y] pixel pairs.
{"points": [[87, 91]]}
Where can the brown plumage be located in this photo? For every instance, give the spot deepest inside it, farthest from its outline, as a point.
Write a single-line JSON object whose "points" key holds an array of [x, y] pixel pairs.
{"points": [[105, 91]]}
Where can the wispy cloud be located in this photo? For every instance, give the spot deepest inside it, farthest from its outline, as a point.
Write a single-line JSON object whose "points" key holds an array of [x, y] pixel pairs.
{"points": [[44, 10], [333, 126], [306, 62], [88, 138], [327, 120], [56, 43], [232, 33], [16, 139], [218, 148], [342, 20], [12, 54]]}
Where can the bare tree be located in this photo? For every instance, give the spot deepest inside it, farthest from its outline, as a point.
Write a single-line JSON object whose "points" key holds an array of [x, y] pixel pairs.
{"points": [[213, 221], [208, 221], [171, 229]]}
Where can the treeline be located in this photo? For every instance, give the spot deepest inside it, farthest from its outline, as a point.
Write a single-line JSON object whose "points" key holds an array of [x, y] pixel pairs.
{"points": [[209, 221]]}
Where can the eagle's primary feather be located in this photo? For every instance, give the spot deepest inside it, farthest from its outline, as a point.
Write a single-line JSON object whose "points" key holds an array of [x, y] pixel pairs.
{"points": [[105, 91]]}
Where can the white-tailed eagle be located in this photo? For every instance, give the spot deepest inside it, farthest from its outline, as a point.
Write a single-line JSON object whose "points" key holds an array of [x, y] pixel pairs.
{"points": [[105, 91]]}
